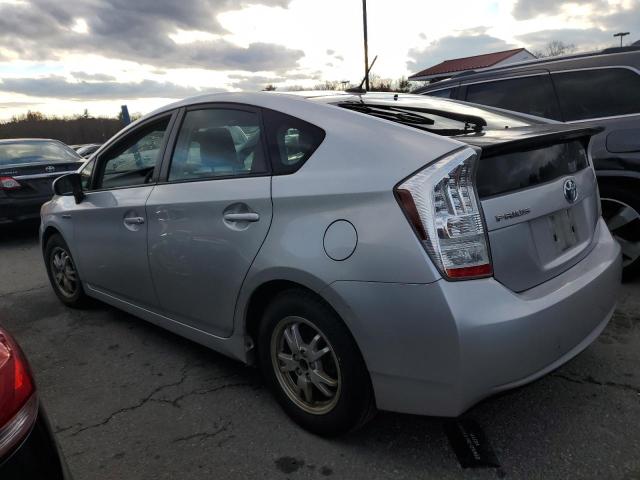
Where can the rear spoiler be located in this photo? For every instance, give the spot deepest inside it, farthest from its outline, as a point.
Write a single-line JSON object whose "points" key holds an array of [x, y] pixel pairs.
{"points": [[497, 142]]}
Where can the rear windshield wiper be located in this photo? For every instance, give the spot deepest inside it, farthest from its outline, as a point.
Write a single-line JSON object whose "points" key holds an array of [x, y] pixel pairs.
{"points": [[411, 116]]}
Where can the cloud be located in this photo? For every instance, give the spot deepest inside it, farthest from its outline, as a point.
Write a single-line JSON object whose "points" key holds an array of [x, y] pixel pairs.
{"points": [[626, 20], [525, 9], [598, 36], [5, 105], [447, 48], [59, 87], [253, 83], [137, 30], [583, 39], [95, 77]]}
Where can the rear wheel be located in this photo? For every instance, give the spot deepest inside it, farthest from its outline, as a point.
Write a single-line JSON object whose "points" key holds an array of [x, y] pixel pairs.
{"points": [[313, 366], [63, 274], [621, 211]]}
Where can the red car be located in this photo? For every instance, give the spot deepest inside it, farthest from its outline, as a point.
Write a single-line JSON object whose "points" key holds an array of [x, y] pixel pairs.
{"points": [[28, 450]]}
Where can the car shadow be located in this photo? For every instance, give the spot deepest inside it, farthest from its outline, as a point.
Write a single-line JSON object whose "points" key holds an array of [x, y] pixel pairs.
{"points": [[23, 233]]}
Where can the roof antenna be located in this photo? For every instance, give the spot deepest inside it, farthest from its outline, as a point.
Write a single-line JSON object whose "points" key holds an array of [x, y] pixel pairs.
{"points": [[359, 88]]}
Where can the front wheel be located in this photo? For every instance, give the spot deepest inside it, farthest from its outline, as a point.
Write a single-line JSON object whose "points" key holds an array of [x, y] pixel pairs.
{"points": [[63, 274], [621, 212], [313, 366]]}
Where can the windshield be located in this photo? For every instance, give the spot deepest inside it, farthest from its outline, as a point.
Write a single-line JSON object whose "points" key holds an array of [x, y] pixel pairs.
{"points": [[35, 152]]}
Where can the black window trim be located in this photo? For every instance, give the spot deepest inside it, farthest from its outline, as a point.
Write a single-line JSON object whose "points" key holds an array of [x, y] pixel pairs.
{"points": [[163, 178], [122, 135], [537, 73], [454, 87]]}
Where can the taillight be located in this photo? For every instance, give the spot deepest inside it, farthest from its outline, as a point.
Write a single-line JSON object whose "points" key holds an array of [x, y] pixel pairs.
{"points": [[442, 204], [9, 183], [18, 402]]}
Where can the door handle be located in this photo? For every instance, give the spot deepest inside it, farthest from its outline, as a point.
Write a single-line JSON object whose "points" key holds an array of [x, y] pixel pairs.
{"points": [[134, 220], [242, 217]]}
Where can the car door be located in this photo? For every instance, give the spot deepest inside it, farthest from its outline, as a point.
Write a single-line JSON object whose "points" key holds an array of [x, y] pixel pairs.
{"points": [[209, 215], [110, 224]]}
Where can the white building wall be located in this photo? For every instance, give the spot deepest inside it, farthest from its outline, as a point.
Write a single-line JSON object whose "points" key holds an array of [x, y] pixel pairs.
{"points": [[522, 56]]}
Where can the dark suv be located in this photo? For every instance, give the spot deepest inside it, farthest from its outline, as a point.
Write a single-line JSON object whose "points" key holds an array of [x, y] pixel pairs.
{"points": [[600, 88]]}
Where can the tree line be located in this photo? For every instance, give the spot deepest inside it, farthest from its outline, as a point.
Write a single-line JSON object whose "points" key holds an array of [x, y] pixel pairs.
{"points": [[376, 84], [70, 130]]}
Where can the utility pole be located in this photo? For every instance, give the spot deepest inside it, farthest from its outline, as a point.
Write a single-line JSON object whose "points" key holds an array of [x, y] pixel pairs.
{"points": [[619, 34], [366, 45]]}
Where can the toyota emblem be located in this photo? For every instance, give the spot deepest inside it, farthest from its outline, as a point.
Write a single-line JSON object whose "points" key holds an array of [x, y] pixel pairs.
{"points": [[50, 169], [570, 190]]}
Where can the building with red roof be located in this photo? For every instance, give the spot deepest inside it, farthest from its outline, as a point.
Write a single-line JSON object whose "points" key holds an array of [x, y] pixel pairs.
{"points": [[448, 68]]}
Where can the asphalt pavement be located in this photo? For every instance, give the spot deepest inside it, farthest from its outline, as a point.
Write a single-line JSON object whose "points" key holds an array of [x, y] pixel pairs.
{"points": [[131, 401]]}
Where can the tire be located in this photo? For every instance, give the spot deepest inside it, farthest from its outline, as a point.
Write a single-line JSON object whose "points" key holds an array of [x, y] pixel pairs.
{"points": [[615, 199], [352, 403], [70, 292]]}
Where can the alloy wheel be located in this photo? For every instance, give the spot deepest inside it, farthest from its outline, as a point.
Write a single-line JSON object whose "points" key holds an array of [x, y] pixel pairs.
{"points": [[64, 272], [624, 224], [306, 365]]}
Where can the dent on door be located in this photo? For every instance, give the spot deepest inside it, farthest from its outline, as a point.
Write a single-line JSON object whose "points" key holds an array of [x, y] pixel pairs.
{"points": [[111, 236], [203, 237]]}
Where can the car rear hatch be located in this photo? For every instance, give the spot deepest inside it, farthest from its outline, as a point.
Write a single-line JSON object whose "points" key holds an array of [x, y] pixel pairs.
{"points": [[540, 200], [35, 179]]}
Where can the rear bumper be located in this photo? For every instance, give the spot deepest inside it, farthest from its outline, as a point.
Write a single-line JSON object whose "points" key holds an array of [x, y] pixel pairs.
{"points": [[19, 209], [437, 349]]}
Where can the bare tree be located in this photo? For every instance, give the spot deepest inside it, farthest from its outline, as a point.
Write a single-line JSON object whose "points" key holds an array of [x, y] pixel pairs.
{"points": [[403, 85], [554, 49], [328, 85], [269, 88]]}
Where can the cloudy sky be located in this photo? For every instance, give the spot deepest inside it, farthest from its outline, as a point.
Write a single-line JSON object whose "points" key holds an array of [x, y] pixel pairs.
{"points": [[62, 56]]}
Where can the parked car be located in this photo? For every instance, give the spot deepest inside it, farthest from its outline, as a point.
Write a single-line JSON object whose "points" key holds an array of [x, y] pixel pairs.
{"points": [[87, 150], [392, 251], [27, 170], [28, 449], [601, 88]]}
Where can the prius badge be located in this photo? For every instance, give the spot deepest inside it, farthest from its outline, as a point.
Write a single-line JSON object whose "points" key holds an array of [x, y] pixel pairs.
{"points": [[514, 214], [570, 190]]}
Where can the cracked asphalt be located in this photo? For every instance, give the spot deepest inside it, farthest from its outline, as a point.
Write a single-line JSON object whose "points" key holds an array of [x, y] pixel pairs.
{"points": [[131, 401]]}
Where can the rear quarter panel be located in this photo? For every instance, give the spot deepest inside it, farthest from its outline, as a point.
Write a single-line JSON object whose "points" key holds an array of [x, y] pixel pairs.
{"points": [[350, 177]]}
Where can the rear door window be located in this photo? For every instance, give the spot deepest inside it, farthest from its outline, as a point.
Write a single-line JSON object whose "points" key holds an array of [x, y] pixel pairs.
{"points": [[533, 95], [291, 140], [218, 142], [598, 93]]}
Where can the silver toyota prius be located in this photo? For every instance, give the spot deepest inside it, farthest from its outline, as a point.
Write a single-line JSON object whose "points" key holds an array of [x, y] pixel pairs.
{"points": [[367, 251]]}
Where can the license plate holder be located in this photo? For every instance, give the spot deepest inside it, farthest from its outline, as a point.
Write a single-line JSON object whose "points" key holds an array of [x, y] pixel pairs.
{"points": [[563, 229]]}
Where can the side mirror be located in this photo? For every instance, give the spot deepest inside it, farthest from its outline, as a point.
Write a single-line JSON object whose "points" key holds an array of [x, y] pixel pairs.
{"points": [[68, 185]]}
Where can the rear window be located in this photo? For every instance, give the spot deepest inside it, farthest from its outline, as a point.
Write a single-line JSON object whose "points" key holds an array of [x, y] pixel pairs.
{"points": [[518, 170], [291, 140], [436, 116], [34, 152], [533, 95], [598, 93]]}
